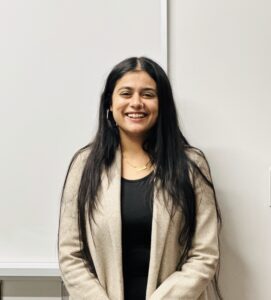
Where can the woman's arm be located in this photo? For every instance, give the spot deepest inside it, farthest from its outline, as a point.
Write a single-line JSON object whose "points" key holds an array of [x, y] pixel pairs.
{"points": [[79, 281], [200, 267]]}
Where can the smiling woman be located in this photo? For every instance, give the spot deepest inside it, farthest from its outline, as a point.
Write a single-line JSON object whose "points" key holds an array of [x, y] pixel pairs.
{"points": [[139, 217], [135, 104]]}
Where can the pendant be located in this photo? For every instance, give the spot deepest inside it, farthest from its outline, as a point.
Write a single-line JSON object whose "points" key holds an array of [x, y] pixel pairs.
{"points": [[141, 169]]}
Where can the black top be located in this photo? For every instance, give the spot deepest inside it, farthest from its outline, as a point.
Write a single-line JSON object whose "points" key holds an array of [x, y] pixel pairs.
{"points": [[136, 210]]}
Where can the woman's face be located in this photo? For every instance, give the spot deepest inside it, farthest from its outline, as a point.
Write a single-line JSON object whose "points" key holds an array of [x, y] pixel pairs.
{"points": [[135, 103]]}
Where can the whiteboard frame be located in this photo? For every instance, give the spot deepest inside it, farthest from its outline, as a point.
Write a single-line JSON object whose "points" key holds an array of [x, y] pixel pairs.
{"points": [[50, 268], [164, 33]]}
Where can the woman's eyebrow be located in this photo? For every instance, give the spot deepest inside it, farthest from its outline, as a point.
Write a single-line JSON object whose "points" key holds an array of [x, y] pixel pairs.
{"points": [[149, 89], [144, 89], [125, 87]]}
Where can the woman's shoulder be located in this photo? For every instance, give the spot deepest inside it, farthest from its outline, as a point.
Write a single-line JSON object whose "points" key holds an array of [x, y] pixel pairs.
{"points": [[80, 156], [84, 152], [195, 155], [198, 161]]}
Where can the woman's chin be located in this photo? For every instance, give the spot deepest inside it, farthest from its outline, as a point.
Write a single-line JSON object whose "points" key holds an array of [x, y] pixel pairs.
{"points": [[136, 132]]}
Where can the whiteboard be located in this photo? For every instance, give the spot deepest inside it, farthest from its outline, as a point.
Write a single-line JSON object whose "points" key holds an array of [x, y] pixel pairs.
{"points": [[54, 59]]}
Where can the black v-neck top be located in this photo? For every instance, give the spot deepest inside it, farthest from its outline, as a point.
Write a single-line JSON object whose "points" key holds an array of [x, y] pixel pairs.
{"points": [[136, 213]]}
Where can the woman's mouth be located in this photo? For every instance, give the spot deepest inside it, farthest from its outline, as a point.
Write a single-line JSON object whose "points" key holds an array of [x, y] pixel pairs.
{"points": [[136, 116]]}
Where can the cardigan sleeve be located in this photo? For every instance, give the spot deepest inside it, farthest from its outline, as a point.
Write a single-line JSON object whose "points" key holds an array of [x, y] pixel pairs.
{"points": [[199, 269], [79, 281]]}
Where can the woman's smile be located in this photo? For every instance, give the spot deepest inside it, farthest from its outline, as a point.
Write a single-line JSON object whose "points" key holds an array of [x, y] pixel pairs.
{"points": [[136, 117]]}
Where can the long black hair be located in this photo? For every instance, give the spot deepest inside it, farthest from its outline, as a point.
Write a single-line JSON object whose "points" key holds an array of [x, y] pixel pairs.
{"points": [[165, 145]]}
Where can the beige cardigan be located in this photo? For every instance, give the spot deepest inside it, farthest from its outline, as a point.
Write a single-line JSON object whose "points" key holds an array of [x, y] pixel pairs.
{"points": [[164, 283]]}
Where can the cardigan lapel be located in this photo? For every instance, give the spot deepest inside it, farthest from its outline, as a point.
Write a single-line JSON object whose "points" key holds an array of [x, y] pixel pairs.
{"points": [[160, 224], [113, 208]]}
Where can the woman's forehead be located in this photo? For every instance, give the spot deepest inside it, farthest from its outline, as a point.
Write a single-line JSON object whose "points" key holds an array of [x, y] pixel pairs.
{"points": [[136, 78]]}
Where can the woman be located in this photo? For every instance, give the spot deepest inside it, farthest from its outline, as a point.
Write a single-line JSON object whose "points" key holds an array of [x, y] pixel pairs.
{"points": [[139, 217]]}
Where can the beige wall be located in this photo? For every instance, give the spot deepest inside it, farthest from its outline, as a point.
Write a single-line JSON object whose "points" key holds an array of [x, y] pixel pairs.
{"points": [[34, 289], [220, 66]]}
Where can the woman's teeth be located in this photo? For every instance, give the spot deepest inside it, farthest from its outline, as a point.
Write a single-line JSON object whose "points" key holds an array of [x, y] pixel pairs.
{"points": [[136, 116]]}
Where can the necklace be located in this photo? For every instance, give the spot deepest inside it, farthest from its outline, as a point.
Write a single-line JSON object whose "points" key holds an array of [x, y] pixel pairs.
{"points": [[138, 168]]}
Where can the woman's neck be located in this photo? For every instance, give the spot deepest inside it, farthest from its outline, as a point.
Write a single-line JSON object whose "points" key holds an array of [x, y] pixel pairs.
{"points": [[131, 145], [134, 158]]}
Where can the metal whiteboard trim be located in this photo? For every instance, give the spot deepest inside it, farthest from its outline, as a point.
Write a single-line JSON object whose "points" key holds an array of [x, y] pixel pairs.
{"points": [[269, 178], [29, 269], [164, 33]]}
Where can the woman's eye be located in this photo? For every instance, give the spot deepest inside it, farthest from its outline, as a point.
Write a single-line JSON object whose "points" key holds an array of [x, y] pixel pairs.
{"points": [[147, 95]]}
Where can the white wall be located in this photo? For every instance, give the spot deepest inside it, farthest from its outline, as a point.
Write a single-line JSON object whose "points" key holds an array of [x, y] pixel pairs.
{"points": [[220, 66], [55, 56]]}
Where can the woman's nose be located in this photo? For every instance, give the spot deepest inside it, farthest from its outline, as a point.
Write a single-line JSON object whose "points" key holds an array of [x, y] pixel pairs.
{"points": [[136, 101]]}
